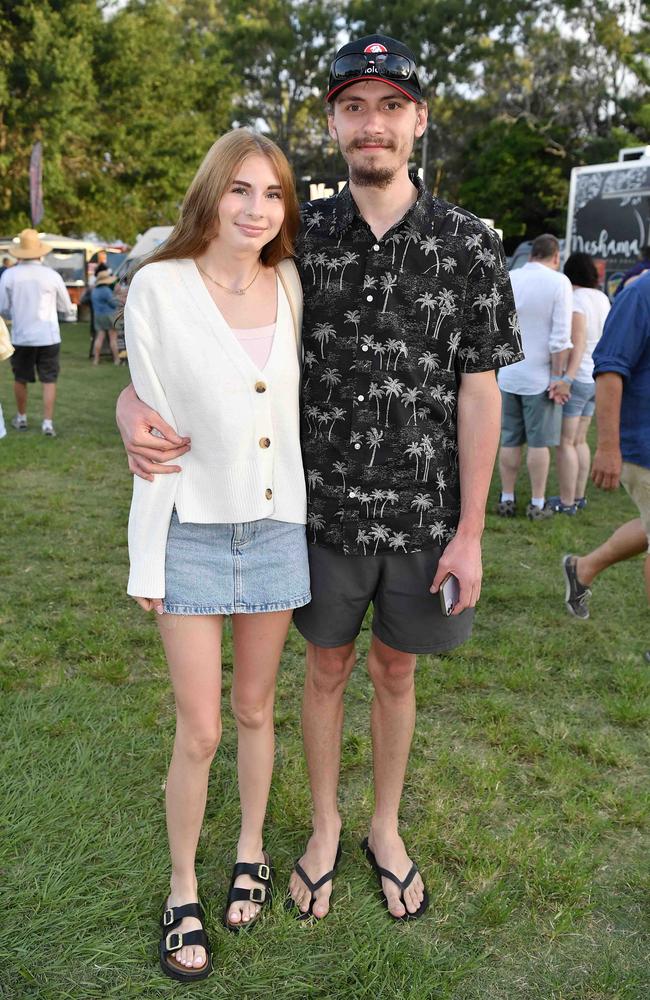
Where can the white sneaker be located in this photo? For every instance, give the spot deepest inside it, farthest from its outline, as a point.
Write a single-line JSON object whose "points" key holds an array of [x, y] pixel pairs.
{"points": [[48, 430], [20, 423]]}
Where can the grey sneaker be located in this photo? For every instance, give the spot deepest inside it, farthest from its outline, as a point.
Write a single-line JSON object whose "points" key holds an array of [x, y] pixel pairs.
{"points": [[576, 596], [506, 508], [20, 423], [538, 513], [48, 431], [556, 505]]}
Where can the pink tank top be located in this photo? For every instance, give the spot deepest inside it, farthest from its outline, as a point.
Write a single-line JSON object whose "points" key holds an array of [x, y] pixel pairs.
{"points": [[257, 341]]}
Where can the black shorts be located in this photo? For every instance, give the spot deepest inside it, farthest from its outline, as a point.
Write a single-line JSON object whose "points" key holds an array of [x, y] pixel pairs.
{"points": [[25, 361], [406, 615]]}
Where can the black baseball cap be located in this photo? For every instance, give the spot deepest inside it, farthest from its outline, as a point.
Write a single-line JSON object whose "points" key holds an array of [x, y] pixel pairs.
{"points": [[375, 57]]}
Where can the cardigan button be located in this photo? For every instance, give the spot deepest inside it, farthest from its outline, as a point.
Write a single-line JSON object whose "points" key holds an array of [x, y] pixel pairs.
{"points": [[260, 387], [265, 442], [268, 494]]}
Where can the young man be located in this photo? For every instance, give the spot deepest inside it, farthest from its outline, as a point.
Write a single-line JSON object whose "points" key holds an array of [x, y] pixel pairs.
{"points": [[622, 373], [534, 389], [408, 310], [31, 295]]}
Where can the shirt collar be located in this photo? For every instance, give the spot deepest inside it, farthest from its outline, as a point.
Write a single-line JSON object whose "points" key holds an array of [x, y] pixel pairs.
{"points": [[346, 211]]}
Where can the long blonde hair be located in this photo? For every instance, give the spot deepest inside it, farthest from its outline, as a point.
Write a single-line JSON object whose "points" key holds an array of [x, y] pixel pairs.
{"points": [[198, 222]]}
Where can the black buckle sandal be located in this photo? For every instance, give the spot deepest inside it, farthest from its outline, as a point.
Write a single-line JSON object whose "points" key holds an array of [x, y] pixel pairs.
{"points": [[402, 885], [312, 886], [172, 941], [261, 872]]}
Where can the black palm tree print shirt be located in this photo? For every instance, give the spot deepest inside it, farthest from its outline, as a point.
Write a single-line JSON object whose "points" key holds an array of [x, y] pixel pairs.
{"points": [[390, 325]]}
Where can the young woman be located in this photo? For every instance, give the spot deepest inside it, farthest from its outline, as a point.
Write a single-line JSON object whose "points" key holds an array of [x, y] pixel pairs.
{"points": [[590, 308], [212, 345]]}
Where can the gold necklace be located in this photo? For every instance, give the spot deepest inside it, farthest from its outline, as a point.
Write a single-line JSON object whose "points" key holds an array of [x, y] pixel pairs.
{"points": [[233, 291]]}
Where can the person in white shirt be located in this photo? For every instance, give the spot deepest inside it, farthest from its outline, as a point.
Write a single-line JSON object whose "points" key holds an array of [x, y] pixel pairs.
{"points": [[31, 295], [533, 390], [212, 331], [590, 309]]}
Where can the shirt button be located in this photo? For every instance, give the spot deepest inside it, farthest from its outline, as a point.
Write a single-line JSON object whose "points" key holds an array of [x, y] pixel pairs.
{"points": [[260, 387], [376, 246], [365, 347], [265, 442], [361, 398], [368, 298], [268, 494], [358, 447]]}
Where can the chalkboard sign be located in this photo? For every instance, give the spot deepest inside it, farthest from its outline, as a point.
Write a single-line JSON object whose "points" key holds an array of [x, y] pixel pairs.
{"points": [[609, 215]]}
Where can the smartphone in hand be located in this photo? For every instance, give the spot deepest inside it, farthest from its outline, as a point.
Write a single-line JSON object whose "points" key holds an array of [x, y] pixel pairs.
{"points": [[449, 594]]}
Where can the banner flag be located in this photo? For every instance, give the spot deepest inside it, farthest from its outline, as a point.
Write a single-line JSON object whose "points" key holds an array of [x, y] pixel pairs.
{"points": [[36, 183]]}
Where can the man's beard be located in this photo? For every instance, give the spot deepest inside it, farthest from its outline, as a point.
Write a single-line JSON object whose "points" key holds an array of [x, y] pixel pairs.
{"points": [[369, 176]]}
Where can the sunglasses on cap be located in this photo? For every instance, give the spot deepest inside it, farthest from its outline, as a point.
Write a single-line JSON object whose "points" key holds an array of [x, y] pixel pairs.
{"points": [[386, 64]]}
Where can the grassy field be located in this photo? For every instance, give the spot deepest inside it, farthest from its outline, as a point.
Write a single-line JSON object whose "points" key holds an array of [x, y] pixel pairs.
{"points": [[527, 798]]}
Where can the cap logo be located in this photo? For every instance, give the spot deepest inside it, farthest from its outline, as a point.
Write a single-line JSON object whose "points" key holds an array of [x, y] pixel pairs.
{"points": [[375, 47]]}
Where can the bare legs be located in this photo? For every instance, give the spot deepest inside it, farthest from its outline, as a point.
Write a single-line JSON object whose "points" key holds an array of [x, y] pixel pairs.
{"points": [[99, 343], [537, 461], [627, 541], [193, 649], [49, 398], [573, 458], [393, 714]]}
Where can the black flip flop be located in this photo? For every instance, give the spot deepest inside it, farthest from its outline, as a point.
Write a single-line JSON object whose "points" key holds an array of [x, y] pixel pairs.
{"points": [[402, 885], [259, 872], [313, 887], [173, 941]]}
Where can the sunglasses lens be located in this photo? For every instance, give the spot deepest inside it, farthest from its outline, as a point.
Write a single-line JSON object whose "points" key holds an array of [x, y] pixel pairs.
{"points": [[350, 65], [386, 64]]}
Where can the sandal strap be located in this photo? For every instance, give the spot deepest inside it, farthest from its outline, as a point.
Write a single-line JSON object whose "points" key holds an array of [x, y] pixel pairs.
{"points": [[259, 871], [385, 873], [257, 894], [313, 886], [173, 915], [175, 940]]}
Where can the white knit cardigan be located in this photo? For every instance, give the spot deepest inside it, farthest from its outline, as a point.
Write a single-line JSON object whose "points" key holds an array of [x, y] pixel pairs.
{"points": [[186, 363]]}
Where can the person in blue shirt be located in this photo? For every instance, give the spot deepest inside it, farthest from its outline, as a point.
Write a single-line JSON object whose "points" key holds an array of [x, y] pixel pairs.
{"points": [[105, 306], [622, 373]]}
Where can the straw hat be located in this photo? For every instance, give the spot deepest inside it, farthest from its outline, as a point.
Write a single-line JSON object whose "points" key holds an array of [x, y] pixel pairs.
{"points": [[31, 247], [105, 277]]}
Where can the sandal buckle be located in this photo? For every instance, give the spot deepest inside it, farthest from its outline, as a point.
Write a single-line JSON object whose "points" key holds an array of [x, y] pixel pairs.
{"points": [[258, 894], [264, 872], [168, 917], [169, 945]]}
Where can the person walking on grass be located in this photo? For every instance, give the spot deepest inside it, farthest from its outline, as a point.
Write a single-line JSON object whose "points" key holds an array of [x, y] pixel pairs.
{"points": [[590, 309], [31, 295], [622, 373], [212, 344], [534, 390], [104, 307], [408, 311]]}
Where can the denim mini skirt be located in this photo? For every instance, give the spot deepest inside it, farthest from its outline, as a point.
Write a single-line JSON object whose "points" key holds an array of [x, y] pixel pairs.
{"points": [[235, 569]]}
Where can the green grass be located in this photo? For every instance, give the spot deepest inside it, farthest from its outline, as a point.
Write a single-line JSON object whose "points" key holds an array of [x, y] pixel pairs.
{"points": [[527, 798]]}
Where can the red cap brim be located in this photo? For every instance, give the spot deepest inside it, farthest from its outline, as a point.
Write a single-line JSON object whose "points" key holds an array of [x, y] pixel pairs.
{"points": [[364, 79]]}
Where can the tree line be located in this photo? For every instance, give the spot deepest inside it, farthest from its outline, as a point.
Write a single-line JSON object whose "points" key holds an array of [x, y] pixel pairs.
{"points": [[127, 97]]}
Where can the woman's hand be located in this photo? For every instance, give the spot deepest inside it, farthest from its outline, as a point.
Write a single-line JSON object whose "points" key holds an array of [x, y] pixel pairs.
{"points": [[150, 604]]}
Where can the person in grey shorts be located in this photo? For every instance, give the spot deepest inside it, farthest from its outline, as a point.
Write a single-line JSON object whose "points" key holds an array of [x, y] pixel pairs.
{"points": [[534, 389], [400, 425]]}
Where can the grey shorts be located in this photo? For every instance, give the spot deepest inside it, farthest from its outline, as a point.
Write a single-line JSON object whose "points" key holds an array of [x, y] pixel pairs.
{"points": [[533, 420], [406, 616]]}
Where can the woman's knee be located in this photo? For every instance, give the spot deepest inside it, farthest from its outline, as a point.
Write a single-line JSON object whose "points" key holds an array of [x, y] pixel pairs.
{"points": [[199, 740], [252, 713]]}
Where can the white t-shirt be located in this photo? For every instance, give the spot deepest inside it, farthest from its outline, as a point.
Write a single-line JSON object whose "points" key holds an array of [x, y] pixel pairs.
{"points": [[543, 300], [594, 306], [31, 294]]}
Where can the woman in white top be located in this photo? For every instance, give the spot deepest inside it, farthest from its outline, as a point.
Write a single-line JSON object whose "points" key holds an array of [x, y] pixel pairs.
{"points": [[211, 328], [590, 308]]}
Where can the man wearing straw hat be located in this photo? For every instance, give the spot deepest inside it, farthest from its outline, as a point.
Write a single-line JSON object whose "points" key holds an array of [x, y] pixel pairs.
{"points": [[31, 294]]}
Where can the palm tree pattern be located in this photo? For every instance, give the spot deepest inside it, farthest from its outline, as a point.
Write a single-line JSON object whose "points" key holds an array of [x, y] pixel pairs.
{"points": [[390, 327]]}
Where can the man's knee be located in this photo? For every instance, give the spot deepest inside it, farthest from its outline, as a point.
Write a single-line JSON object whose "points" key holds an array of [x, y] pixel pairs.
{"points": [[391, 671], [329, 669]]}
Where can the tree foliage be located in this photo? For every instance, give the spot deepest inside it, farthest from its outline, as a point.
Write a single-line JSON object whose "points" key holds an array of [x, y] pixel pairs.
{"points": [[127, 97]]}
